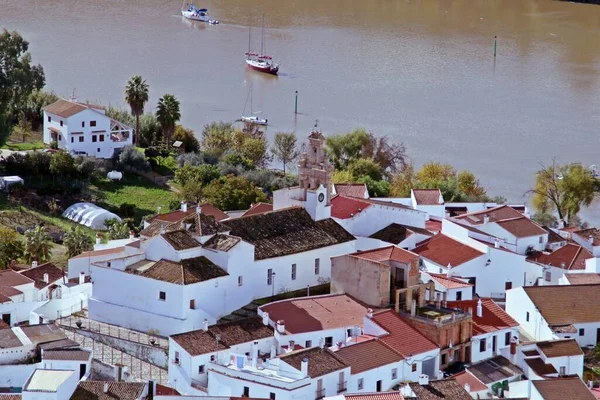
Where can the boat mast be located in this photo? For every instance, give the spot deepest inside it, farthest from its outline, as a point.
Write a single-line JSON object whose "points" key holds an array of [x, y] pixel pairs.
{"points": [[262, 39]]}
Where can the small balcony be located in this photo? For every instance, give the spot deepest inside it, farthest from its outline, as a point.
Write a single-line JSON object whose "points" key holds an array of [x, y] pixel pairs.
{"points": [[320, 393], [342, 387]]}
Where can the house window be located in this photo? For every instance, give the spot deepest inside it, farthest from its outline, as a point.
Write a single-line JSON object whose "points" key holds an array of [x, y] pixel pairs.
{"points": [[413, 367], [94, 138], [443, 359], [527, 316], [246, 391], [507, 338], [308, 344], [177, 357], [59, 137], [482, 345], [293, 272], [92, 123], [83, 124], [213, 358], [581, 332], [348, 333], [98, 149], [49, 118], [61, 123], [361, 384], [394, 373], [72, 139], [563, 371], [272, 396], [240, 280], [269, 277], [458, 296], [317, 266], [329, 341], [81, 139], [102, 138], [541, 239], [548, 276], [192, 304], [162, 296], [201, 369]]}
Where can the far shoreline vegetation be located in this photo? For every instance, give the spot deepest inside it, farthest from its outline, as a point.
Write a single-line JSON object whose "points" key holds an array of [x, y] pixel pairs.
{"points": [[226, 166]]}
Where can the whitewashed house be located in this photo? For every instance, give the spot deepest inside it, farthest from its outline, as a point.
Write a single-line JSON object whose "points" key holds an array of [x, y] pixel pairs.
{"points": [[571, 387], [450, 288], [84, 129], [430, 201], [81, 263], [18, 344], [568, 259], [589, 239], [549, 359], [50, 384], [557, 312], [77, 360], [358, 190]]}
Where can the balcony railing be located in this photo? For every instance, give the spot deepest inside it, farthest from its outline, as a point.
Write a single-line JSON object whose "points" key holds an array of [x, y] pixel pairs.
{"points": [[342, 387], [320, 394]]}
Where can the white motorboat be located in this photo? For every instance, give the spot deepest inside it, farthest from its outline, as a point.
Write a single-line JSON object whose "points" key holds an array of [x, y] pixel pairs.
{"points": [[190, 11]]}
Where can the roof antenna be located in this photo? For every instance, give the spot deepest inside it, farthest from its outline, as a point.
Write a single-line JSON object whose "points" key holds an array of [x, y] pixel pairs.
{"points": [[316, 123], [73, 98]]}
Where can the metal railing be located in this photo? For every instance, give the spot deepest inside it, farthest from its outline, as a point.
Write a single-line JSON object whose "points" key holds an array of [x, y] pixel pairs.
{"points": [[342, 387], [320, 393]]}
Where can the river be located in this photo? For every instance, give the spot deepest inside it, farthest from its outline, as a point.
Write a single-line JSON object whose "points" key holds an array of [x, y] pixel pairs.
{"points": [[421, 72]]}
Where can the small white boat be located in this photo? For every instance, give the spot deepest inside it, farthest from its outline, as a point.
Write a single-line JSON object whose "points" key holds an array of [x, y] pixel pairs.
{"points": [[252, 118], [190, 11], [255, 120]]}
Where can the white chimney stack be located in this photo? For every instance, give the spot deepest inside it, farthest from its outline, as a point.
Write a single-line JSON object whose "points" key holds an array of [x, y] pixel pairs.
{"points": [[497, 243], [448, 270], [322, 342], [183, 206], [205, 325], [467, 388], [98, 238], [34, 264], [591, 239], [46, 278], [254, 353], [423, 380], [486, 219], [273, 351], [479, 309], [265, 318], [81, 278], [304, 367], [131, 235], [281, 326], [370, 312], [413, 308], [105, 387], [199, 209]]}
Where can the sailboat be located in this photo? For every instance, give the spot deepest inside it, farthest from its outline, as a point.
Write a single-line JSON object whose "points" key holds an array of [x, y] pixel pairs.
{"points": [[260, 62], [196, 14], [252, 118]]}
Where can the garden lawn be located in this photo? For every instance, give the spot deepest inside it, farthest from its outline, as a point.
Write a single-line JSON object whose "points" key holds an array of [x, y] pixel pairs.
{"points": [[24, 146], [134, 189]]}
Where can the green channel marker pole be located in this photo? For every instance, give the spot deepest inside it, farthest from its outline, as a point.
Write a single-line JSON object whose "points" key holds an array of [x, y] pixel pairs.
{"points": [[495, 43], [296, 105]]}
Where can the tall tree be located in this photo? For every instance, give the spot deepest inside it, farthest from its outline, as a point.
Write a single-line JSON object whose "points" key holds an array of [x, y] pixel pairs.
{"points": [[11, 247], [217, 138], [167, 113], [18, 78], [37, 245], [23, 128], [284, 148], [563, 189], [233, 193], [136, 95], [77, 241]]}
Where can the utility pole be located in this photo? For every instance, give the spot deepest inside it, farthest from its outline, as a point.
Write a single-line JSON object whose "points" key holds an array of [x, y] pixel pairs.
{"points": [[296, 104], [495, 45]]}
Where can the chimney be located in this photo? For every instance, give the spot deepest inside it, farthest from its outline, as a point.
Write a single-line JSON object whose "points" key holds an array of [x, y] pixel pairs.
{"points": [[561, 224], [591, 239], [281, 326], [183, 206], [46, 278], [479, 309], [98, 238], [254, 353], [105, 387], [423, 380], [81, 278], [131, 235], [304, 367], [471, 311], [198, 209], [322, 342], [34, 264], [205, 325], [437, 300], [162, 229], [497, 243], [486, 219], [370, 312], [273, 351], [291, 345], [265, 318], [413, 308], [119, 377], [590, 384], [448, 270], [467, 388]]}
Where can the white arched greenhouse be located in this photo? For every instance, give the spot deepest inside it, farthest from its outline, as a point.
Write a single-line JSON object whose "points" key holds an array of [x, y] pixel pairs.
{"points": [[90, 215]]}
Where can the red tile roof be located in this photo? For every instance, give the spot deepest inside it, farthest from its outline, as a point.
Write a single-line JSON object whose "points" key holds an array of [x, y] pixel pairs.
{"points": [[65, 108], [493, 318], [565, 304], [444, 250], [403, 338], [162, 390], [586, 233], [449, 282], [465, 377], [311, 314], [37, 274], [433, 225], [98, 253], [368, 355], [571, 388], [258, 208], [357, 190], [375, 396], [178, 215], [10, 278], [522, 227], [427, 197], [390, 253], [569, 257], [560, 348], [72, 355], [495, 214], [583, 279], [343, 207], [540, 367]]}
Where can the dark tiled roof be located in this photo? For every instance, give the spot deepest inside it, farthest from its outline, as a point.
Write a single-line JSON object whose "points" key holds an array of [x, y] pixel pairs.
{"points": [[569, 257], [75, 355], [222, 242], [565, 304], [563, 328], [396, 233], [351, 189], [258, 208], [594, 233], [571, 388], [37, 274], [88, 390], [185, 272], [427, 197], [553, 237], [198, 342], [320, 361], [368, 355], [10, 278], [286, 231], [375, 396], [560, 348], [8, 339], [540, 367], [180, 240], [178, 215], [59, 344], [444, 250], [494, 369], [447, 389]]}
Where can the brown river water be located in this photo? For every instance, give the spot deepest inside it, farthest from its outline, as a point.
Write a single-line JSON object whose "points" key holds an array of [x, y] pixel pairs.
{"points": [[419, 71]]}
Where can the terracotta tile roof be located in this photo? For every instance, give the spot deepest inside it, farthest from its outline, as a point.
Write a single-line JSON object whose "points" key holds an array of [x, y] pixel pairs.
{"points": [[444, 250], [87, 390], [320, 361], [390, 253], [571, 388], [465, 377], [210, 210], [343, 207], [288, 231], [258, 208], [553, 237], [229, 334], [37, 274], [447, 389], [565, 304], [522, 227], [375, 396], [357, 190], [157, 226], [570, 257], [162, 390], [60, 344], [43, 333], [493, 318], [540, 367], [391, 204], [7, 396], [396, 233], [178, 215], [4, 325], [180, 240], [495, 214], [454, 211], [559, 348], [222, 242], [8, 339], [583, 279], [494, 369], [530, 353], [428, 197], [433, 226], [311, 314], [449, 282], [65, 109], [10, 278], [185, 272], [208, 225], [403, 338], [586, 233], [368, 355], [99, 253], [75, 355]]}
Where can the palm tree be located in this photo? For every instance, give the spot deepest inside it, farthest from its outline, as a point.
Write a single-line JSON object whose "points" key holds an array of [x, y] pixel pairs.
{"points": [[37, 245], [136, 95], [167, 113], [77, 241]]}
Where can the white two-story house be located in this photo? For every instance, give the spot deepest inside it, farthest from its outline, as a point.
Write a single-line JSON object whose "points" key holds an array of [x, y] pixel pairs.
{"points": [[84, 129]]}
